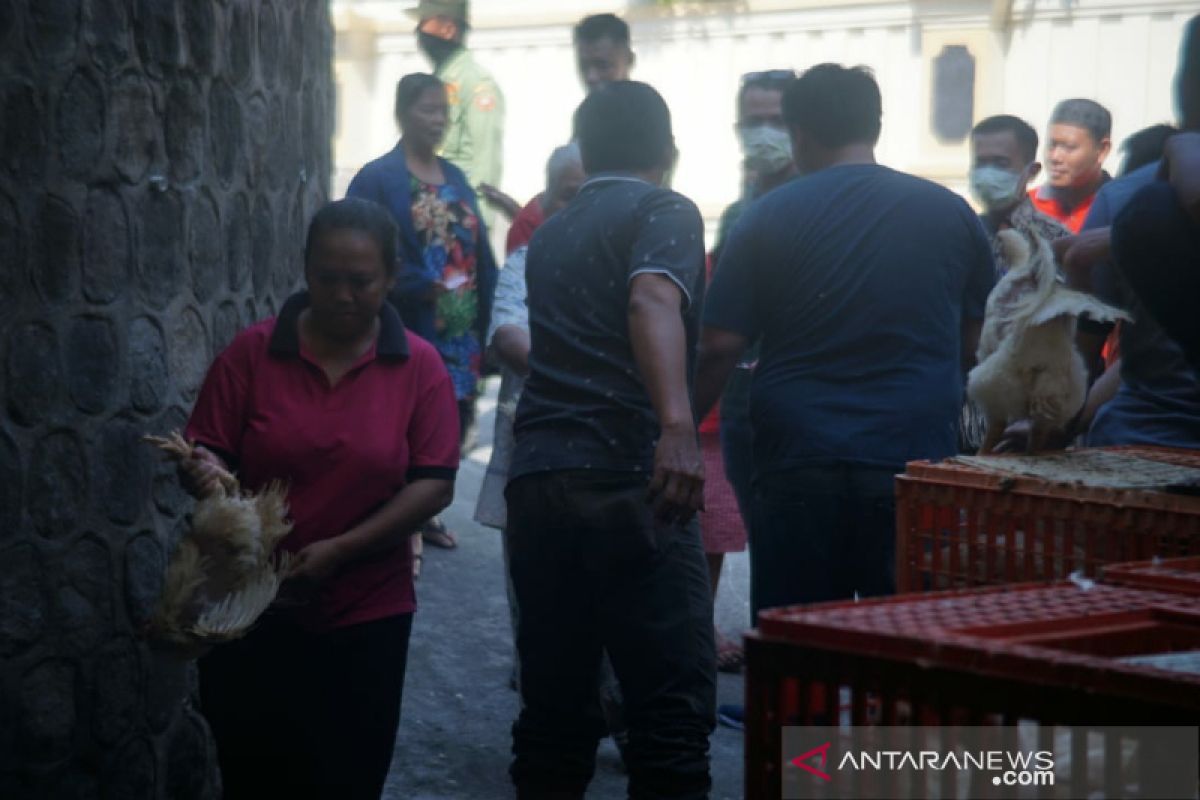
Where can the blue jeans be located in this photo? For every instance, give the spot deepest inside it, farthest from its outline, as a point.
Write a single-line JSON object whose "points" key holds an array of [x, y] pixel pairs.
{"points": [[822, 533]]}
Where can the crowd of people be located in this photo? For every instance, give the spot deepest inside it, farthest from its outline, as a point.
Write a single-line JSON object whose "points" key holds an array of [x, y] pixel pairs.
{"points": [[832, 323]]}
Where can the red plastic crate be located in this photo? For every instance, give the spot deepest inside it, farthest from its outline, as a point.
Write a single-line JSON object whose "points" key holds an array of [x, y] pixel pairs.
{"points": [[1044, 654], [960, 526], [1168, 575]]}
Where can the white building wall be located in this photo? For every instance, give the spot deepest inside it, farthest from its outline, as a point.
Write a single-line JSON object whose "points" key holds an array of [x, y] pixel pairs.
{"points": [[1120, 53]]}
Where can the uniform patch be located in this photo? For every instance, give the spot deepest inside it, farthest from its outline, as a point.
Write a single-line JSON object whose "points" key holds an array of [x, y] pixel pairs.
{"points": [[452, 93]]}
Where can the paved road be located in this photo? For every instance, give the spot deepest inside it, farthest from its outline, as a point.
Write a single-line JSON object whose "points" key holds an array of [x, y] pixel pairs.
{"points": [[455, 725]]}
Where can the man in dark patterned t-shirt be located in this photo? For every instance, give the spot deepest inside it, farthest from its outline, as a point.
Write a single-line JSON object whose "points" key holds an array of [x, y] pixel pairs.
{"points": [[607, 474]]}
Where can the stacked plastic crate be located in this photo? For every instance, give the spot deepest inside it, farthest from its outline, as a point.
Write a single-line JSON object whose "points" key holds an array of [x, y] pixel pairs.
{"points": [[1058, 653]]}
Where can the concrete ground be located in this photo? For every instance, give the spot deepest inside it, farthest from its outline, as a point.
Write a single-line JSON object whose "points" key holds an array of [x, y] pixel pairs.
{"points": [[454, 740]]}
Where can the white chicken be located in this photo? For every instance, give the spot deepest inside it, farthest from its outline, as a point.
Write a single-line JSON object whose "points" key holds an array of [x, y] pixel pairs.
{"points": [[224, 574], [1028, 366]]}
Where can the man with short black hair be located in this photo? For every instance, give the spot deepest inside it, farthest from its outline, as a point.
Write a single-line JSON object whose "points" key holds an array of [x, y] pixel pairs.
{"points": [[867, 287], [602, 50], [1076, 145], [606, 474], [1003, 162]]}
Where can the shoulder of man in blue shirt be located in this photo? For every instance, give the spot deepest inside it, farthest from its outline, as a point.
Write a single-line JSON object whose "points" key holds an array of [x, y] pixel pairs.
{"points": [[1115, 194]]}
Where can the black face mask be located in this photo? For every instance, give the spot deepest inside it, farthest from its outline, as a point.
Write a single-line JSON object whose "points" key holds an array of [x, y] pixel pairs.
{"points": [[438, 50]]}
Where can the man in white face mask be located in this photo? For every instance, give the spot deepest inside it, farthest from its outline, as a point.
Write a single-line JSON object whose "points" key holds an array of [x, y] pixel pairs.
{"points": [[1004, 161]]}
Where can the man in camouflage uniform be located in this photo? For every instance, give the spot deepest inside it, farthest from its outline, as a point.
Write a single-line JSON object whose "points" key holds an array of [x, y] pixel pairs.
{"points": [[475, 130]]}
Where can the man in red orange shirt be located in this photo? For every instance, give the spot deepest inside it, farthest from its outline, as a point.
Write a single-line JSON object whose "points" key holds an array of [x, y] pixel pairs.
{"points": [[1076, 145]]}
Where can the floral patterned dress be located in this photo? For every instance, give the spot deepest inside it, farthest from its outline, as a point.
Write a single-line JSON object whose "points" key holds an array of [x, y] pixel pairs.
{"points": [[448, 231]]}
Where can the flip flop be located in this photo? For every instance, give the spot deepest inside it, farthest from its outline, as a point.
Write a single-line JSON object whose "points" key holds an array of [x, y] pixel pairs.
{"points": [[434, 532]]}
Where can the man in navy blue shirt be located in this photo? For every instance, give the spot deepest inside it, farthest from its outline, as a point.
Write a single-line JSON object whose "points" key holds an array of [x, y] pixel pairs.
{"points": [[868, 288], [606, 473]]}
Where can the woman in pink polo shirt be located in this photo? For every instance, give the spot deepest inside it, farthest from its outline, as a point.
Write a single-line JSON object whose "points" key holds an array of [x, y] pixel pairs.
{"points": [[358, 417]]}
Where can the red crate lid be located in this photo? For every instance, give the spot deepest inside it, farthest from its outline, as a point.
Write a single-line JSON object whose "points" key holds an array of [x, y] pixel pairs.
{"points": [[1028, 631], [1167, 574]]}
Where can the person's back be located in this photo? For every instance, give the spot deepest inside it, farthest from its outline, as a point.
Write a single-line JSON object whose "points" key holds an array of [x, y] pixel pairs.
{"points": [[607, 475], [858, 276], [584, 404], [867, 288]]}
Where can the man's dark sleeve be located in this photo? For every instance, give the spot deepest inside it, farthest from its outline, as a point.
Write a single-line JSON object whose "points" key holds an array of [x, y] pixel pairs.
{"points": [[1156, 247], [730, 303], [981, 275], [670, 242]]}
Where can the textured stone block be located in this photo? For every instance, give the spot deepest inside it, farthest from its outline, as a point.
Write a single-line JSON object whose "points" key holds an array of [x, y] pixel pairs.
{"points": [[12, 251], [122, 470], [144, 569], [187, 757], [200, 28], [117, 688], [132, 773], [85, 599], [108, 250], [157, 37], [55, 28], [262, 245], [188, 353], [107, 33], [206, 250], [57, 484], [57, 252], [23, 137], [22, 599], [80, 131], [32, 373], [148, 379], [226, 144], [160, 262], [11, 481], [133, 127], [47, 711], [92, 363], [186, 121]]}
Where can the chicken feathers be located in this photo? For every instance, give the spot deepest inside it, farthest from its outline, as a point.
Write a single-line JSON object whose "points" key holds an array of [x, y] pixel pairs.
{"points": [[224, 574], [1028, 366]]}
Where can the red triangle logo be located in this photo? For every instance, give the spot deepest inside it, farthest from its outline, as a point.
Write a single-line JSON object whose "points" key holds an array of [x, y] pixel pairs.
{"points": [[802, 759]]}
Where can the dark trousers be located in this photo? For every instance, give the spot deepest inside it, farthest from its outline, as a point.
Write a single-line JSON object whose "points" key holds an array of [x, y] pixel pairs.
{"points": [[593, 571], [822, 533], [301, 715]]}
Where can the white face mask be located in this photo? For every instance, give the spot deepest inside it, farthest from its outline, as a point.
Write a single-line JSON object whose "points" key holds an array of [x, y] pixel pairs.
{"points": [[767, 150], [995, 187]]}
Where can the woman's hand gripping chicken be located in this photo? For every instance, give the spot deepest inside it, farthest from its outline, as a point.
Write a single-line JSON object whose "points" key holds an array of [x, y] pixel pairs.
{"points": [[223, 575]]}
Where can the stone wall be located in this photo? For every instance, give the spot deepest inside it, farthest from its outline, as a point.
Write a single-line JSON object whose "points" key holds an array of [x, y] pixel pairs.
{"points": [[158, 161]]}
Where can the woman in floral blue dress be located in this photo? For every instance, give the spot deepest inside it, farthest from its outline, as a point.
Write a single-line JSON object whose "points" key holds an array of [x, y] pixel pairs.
{"points": [[447, 273]]}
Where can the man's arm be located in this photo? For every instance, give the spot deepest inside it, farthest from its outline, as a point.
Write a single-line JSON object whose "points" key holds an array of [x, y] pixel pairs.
{"points": [[1181, 168], [718, 355], [659, 344], [511, 345], [484, 118]]}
